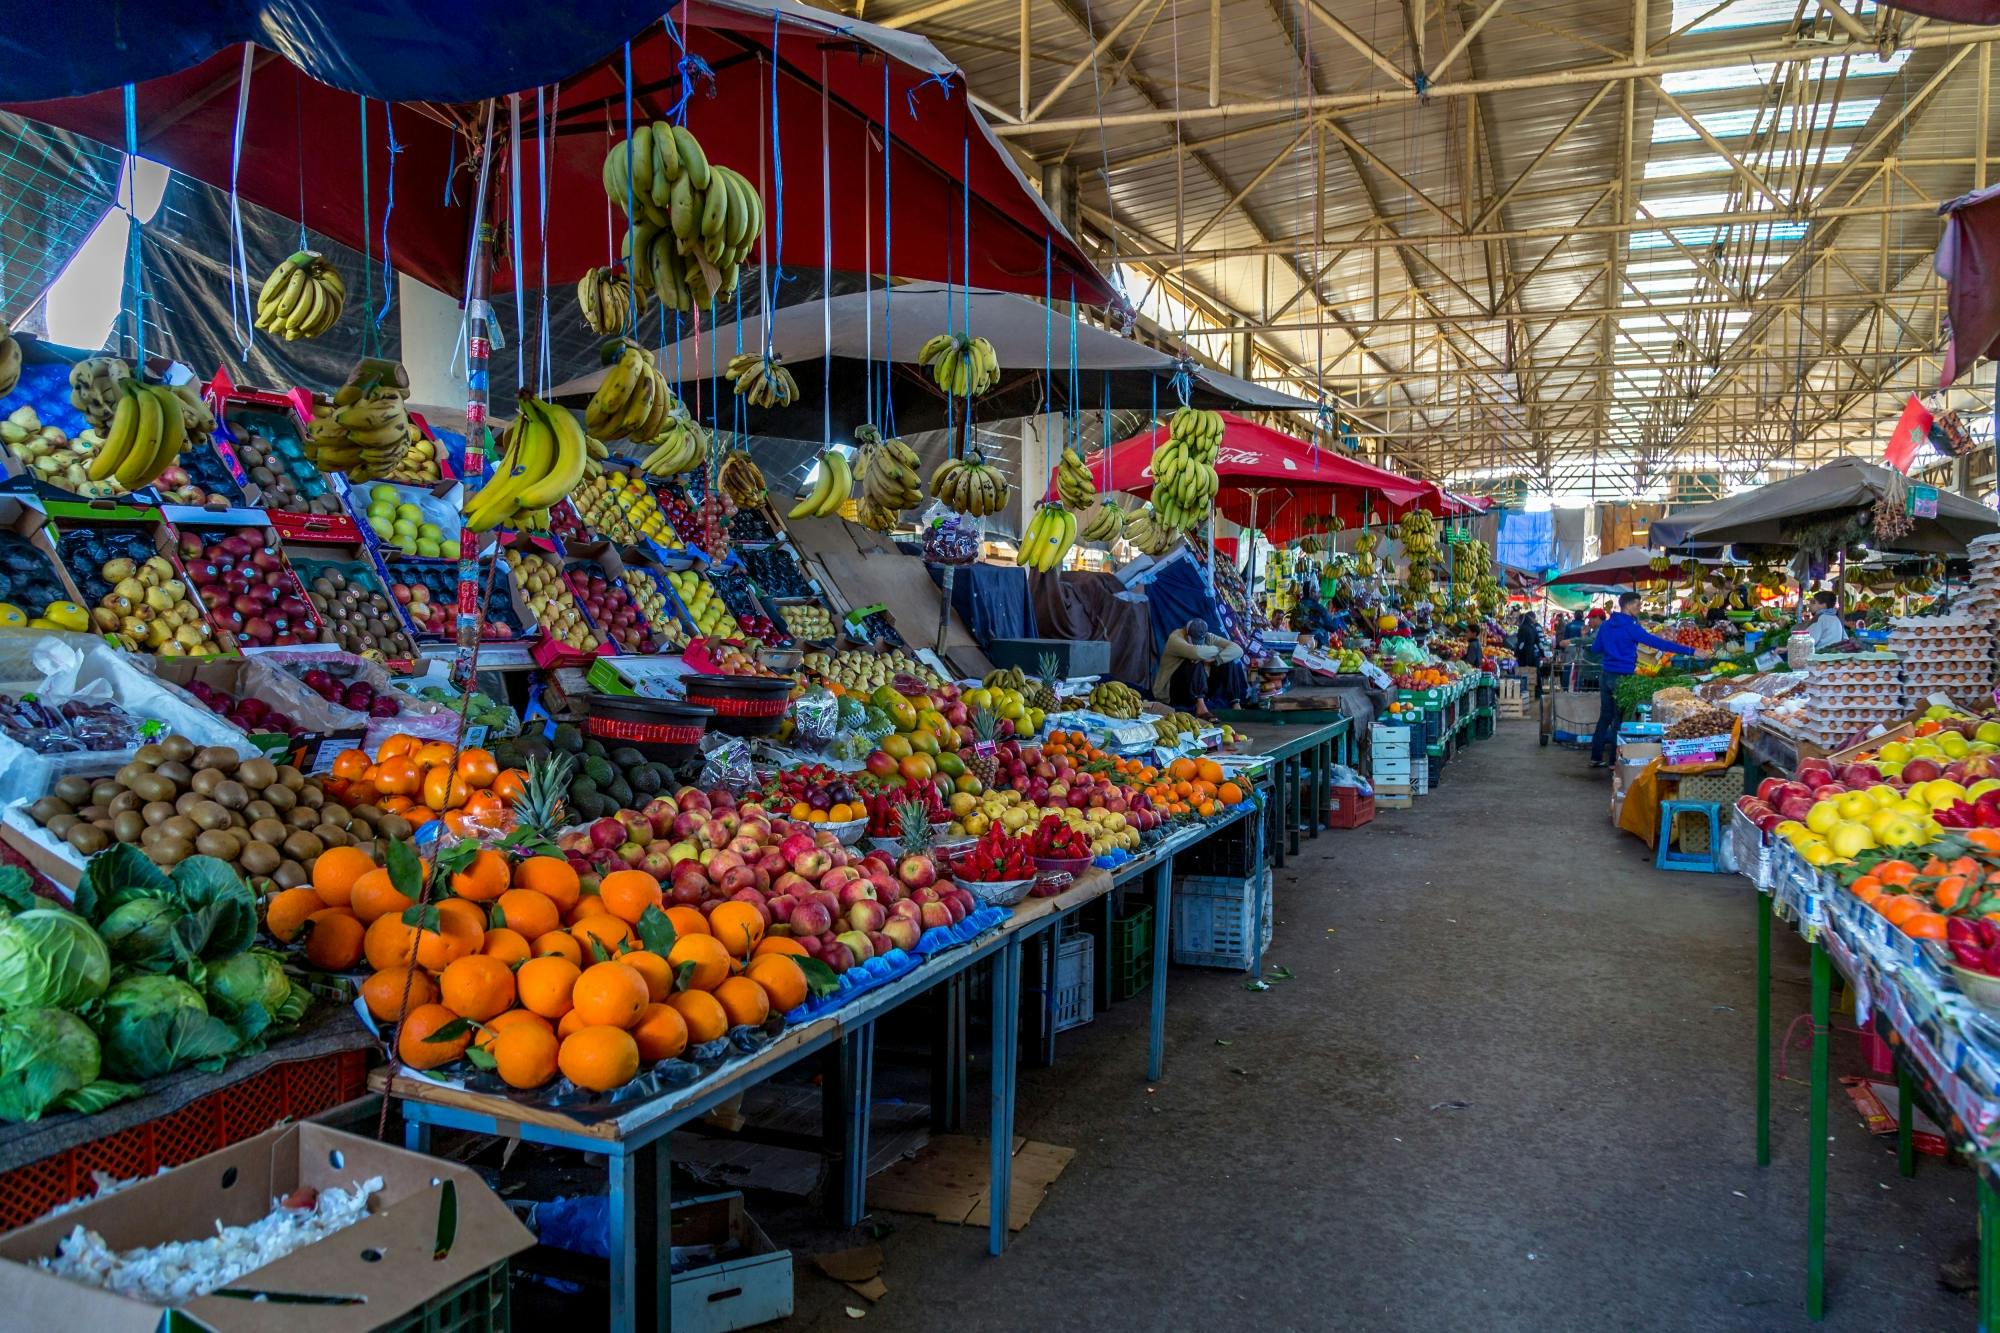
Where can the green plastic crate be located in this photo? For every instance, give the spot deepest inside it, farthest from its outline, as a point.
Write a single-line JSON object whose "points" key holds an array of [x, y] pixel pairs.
{"points": [[480, 1304], [1131, 953]]}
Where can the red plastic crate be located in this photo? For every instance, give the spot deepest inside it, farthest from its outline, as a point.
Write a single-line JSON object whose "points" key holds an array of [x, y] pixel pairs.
{"points": [[292, 1090], [1348, 808]]}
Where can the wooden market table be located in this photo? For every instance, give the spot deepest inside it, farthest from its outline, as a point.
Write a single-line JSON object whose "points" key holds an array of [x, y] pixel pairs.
{"points": [[631, 1141]]}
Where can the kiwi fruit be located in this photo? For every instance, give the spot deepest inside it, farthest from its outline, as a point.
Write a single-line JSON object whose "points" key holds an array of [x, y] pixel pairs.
{"points": [[290, 875], [367, 814], [311, 797], [131, 773], [128, 825], [177, 773], [88, 839], [179, 749], [231, 793], [187, 801], [291, 776], [180, 826], [204, 780], [216, 756], [152, 756], [303, 846], [48, 808], [259, 858], [60, 825], [259, 809], [210, 815], [72, 791], [330, 836], [123, 801], [91, 813], [367, 849], [171, 851], [153, 787], [256, 774], [219, 843], [332, 812], [268, 830], [280, 797], [302, 818], [393, 827], [158, 811], [104, 790]]}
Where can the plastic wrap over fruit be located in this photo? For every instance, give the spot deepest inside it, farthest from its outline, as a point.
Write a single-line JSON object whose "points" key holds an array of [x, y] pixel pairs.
{"points": [[815, 719], [725, 762], [951, 541]]}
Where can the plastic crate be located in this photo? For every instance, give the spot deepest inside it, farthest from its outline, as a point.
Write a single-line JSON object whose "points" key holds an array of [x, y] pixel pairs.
{"points": [[1212, 920], [1726, 785], [291, 1090], [480, 1304], [1224, 855], [1435, 764], [1348, 808], [1131, 953], [1482, 725], [1075, 986]]}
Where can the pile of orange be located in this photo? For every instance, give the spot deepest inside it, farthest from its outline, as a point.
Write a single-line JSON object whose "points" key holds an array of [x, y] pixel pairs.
{"points": [[840, 812], [1916, 899], [547, 979], [425, 780], [1194, 786]]}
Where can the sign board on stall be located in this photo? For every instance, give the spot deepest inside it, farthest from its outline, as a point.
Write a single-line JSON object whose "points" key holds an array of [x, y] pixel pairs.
{"points": [[1923, 501]]}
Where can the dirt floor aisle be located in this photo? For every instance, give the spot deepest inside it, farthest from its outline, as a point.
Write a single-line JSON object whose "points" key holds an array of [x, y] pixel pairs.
{"points": [[1509, 1085]]}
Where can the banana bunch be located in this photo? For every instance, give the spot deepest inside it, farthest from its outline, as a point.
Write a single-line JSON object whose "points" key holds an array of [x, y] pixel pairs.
{"points": [[607, 299], [634, 400], [1184, 480], [1106, 523], [543, 455], [144, 438], [1114, 698], [681, 446], [830, 492], [763, 380], [1051, 532], [741, 479], [1005, 678], [1418, 532], [365, 431], [1074, 482], [963, 366], [93, 388], [693, 224], [1144, 530], [1173, 726], [302, 298], [887, 471], [970, 486], [10, 360]]}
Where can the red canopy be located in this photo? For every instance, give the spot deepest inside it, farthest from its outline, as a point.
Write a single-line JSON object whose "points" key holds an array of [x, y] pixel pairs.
{"points": [[1294, 485], [302, 153]]}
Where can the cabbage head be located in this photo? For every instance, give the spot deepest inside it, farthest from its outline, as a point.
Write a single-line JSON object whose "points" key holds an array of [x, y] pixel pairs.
{"points": [[152, 1024], [141, 930], [252, 979], [49, 1059], [50, 958]]}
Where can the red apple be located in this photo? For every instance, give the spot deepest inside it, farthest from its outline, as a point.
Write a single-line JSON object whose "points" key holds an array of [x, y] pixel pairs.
{"points": [[867, 914], [902, 933], [810, 918]]}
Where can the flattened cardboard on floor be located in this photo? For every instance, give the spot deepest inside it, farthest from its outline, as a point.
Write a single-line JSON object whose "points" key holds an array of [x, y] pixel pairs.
{"points": [[387, 1263], [948, 1181]]}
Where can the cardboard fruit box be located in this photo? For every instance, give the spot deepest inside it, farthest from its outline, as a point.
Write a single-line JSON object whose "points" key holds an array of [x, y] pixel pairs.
{"points": [[420, 1240]]}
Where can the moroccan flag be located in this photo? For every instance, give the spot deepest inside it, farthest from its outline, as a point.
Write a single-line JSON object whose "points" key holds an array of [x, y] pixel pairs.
{"points": [[1912, 429]]}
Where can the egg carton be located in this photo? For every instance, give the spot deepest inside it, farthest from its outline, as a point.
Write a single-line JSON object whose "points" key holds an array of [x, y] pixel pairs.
{"points": [[1926, 622]]}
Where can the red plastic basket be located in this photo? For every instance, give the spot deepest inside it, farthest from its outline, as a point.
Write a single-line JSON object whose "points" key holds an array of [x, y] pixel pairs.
{"points": [[1349, 808], [292, 1090]]}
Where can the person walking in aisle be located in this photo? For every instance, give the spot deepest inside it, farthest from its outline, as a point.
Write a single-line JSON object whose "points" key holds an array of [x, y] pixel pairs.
{"points": [[1528, 647], [1617, 642]]}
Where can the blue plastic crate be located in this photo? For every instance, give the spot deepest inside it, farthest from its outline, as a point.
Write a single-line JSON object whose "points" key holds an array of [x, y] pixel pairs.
{"points": [[1075, 977], [1212, 920]]}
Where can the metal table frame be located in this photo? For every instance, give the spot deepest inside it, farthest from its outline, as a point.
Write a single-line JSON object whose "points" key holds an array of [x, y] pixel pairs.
{"points": [[1303, 747]]}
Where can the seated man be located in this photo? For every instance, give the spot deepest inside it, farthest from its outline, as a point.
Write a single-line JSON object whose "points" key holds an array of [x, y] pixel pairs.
{"points": [[1185, 679]]}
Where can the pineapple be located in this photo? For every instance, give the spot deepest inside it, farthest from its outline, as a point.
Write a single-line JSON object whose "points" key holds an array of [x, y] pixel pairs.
{"points": [[914, 819], [544, 804], [983, 765], [1043, 694]]}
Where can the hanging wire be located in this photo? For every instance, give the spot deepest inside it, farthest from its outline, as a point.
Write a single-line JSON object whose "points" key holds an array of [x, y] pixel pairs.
{"points": [[299, 150], [388, 211], [135, 261], [889, 263], [778, 185], [826, 269], [520, 268], [631, 211], [367, 242], [544, 131], [239, 257]]}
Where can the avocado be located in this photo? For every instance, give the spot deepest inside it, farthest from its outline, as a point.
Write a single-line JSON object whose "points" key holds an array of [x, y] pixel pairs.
{"points": [[580, 789], [645, 780], [568, 739], [600, 772], [626, 757], [589, 807], [594, 748], [619, 794]]}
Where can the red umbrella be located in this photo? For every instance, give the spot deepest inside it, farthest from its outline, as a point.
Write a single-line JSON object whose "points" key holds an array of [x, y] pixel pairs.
{"points": [[302, 153], [1276, 482]]}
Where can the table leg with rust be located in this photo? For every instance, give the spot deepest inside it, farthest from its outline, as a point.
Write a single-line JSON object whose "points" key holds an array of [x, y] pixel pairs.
{"points": [[1006, 1020], [1763, 1029], [1822, 986]]}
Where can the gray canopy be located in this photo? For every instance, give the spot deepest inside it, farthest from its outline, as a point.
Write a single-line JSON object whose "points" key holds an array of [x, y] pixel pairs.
{"points": [[1771, 515]]}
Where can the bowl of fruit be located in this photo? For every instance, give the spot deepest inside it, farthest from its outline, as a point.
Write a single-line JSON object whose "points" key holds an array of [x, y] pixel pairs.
{"points": [[1974, 943], [998, 869]]}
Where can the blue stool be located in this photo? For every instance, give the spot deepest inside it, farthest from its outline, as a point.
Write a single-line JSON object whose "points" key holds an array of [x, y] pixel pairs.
{"points": [[1666, 858]]}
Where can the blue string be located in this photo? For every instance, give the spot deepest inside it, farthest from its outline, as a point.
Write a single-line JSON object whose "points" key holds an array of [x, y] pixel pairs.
{"points": [[965, 217], [942, 79], [778, 184], [888, 262], [1048, 317], [692, 69], [450, 167], [388, 272], [135, 265], [1183, 380], [631, 211]]}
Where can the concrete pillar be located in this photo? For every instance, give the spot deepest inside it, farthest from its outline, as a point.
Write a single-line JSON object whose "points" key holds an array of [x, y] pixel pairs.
{"points": [[1041, 444], [1060, 193]]}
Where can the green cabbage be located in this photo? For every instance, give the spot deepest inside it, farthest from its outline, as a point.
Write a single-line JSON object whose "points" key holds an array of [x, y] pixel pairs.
{"points": [[252, 979], [157, 922], [49, 958], [141, 931], [49, 1058], [151, 1025]]}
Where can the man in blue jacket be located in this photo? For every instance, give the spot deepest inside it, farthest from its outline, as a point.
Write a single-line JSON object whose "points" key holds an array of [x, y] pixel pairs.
{"points": [[1617, 642]]}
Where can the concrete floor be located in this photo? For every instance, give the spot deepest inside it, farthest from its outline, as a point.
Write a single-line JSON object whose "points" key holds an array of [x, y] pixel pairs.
{"points": [[1510, 1085]]}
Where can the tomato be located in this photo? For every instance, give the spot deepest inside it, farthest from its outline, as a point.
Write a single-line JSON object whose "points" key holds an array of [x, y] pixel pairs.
{"points": [[349, 765], [477, 769], [398, 777]]}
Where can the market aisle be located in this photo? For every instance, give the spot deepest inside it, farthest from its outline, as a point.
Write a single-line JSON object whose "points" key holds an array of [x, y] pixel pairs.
{"points": [[1510, 1086]]}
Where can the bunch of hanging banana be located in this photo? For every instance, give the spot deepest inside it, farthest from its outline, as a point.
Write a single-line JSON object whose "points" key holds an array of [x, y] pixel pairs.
{"points": [[147, 430], [10, 360], [1145, 531], [1051, 532], [634, 400], [681, 446], [302, 298], [542, 458], [93, 388], [607, 299], [963, 366], [1073, 481], [1418, 532], [830, 492], [741, 479], [763, 380], [1104, 524], [887, 472], [365, 431], [1184, 479], [693, 224], [970, 486]]}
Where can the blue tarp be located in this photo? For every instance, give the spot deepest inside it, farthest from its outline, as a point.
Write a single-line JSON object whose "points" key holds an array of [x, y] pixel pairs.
{"points": [[1526, 541]]}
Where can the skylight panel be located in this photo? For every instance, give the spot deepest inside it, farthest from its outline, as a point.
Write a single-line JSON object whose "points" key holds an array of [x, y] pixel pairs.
{"points": [[1743, 14], [1707, 164], [1734, 124]]}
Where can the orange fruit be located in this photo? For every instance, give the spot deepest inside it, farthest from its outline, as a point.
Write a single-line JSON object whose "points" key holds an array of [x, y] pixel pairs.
{"points": [[1899, 909], [660, 1033], [389, 942], [627, 893], [559, 944], [471, 913], [484, 877], [524, 1056], [783, 980], [611, 995], [286, 911], [710, 959], [704, 1016], [1925, 926], [499, 1023], [333, 939], [588, 905], [383, 992], [413, 1045], [546, 985], [1230, 793], [453, 939], [744, 1001], [782, 944], [334, 872], [528, 914], [477, 987], [571, 1022], [657, 971], [687, 920], [607, 931], [550, 876], [507, 946], [373, 895], [599, 1058], [738, 925], [1208, 770]]}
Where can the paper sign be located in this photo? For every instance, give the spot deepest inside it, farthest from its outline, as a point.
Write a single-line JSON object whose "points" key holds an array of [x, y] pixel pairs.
{"points": [[1923, 501], [1767, 661]]}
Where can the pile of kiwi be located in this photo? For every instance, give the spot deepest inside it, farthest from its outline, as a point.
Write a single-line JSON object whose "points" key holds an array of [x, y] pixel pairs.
{"points": [[357, 616], [176, 800]]}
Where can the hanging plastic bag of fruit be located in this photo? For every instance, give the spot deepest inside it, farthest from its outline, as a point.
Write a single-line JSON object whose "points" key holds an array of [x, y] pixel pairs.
{"points": [[725, 762], [816, 719]]}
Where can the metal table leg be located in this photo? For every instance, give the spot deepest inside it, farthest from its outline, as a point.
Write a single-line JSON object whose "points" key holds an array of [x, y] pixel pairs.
{"points": [[1822, 986], [1989, 1255], [623, 1168], [1906, 1115], [1281, 812], [1763, 1030], [1006, 1019], [1163, 916], [1292, 810], [651, 1228], [857, 1086], [948, 1052], [1315, 802]]}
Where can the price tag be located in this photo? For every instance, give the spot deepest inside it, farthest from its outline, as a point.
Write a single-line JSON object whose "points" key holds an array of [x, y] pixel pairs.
{"points": [[1922, 502], [1767, 661]]}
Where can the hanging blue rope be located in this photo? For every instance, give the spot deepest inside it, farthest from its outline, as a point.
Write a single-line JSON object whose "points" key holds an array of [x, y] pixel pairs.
{"points": [[239, 255], [135, 269], [888, 263], [942, 79], [389, 211], [777, 183], [367, 240], [632, 264], [693, 69], [1183, 380]]}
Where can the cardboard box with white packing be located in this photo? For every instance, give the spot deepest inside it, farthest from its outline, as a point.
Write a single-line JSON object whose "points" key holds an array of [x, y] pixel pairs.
{"points": [[418, 1242]]}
